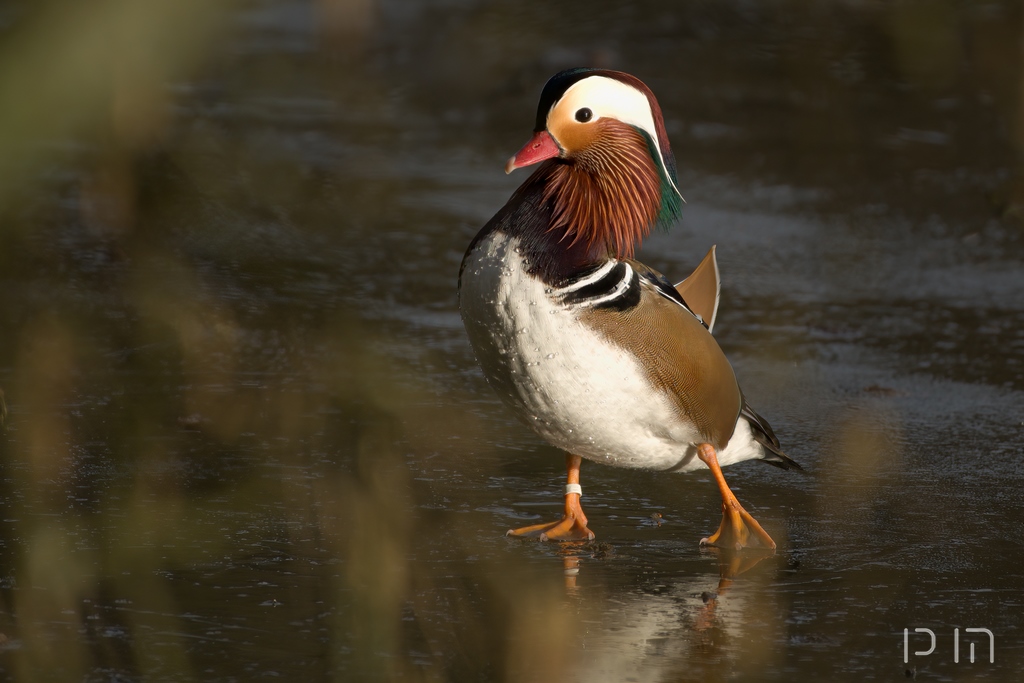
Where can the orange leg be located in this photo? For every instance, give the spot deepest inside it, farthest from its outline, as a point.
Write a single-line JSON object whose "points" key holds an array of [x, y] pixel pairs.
{"points": [[737, 525], [573, 525]]}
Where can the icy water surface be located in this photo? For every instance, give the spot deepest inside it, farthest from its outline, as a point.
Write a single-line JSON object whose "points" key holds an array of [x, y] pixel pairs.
{"points": [[245, 437]]}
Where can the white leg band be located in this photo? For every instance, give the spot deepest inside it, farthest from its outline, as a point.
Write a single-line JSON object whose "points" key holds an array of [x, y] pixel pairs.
{"points": [[573, 488]]}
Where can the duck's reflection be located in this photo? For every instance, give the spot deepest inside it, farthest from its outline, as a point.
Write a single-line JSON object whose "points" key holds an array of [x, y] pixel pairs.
{"points": [[731, 563], [571, 552], [571, 567], [697, 627]]}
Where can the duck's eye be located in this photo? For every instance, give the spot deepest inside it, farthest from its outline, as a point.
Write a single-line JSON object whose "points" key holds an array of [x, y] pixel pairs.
{"points": [[584, 115]]}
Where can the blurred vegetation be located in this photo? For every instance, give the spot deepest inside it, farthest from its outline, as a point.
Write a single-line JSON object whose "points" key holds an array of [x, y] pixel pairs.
{"points": [[242, 434]]}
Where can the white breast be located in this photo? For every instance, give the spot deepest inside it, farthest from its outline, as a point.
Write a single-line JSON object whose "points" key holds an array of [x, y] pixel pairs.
{"points": [[571, 385]]}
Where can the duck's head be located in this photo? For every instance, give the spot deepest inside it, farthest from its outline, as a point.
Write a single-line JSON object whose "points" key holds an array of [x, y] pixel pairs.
{"points": [[614, 174]]}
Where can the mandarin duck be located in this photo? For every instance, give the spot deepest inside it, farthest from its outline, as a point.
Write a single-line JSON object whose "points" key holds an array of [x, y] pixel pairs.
{"points": [[601, 355]]}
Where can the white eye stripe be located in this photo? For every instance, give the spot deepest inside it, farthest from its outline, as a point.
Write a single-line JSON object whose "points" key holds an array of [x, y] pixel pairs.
{"points": [[608, 97]]}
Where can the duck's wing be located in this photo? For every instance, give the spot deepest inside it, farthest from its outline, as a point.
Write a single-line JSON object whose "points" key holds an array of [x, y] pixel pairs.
{"points": [[674, 348], [702, 289]]}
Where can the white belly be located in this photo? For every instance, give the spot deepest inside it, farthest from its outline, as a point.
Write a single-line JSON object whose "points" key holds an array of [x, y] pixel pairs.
{"points": [[571, 385]]}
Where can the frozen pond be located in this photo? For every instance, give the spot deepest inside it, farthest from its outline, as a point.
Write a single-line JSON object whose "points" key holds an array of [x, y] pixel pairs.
{"points": [[246, 437]]}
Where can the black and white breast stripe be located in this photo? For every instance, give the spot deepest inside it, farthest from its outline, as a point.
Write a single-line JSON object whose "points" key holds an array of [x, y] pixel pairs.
{"points": [[613, 284]]}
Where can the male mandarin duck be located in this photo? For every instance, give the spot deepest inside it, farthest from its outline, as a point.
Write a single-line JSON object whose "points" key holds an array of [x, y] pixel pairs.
{"points": [[595, 351]]}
